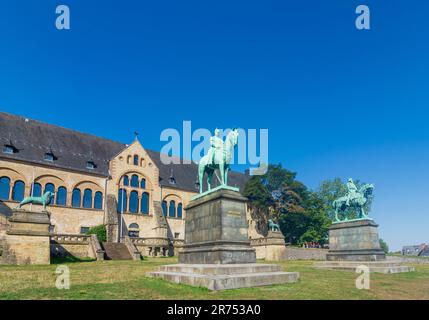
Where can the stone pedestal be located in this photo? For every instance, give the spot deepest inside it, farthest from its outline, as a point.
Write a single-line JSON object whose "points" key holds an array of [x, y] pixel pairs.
{"points": [[216, 230], [27, 238], [354, 241], [272, 247], [217, 253], [354, 244]]}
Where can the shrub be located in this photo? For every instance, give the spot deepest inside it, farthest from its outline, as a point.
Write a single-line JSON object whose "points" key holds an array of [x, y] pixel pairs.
{"points": [[100, 231], [384, 246]]}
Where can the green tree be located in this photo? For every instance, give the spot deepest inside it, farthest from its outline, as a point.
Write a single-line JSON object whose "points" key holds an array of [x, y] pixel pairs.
{"points": [[384, 246], [100, 231], [279, 196]]}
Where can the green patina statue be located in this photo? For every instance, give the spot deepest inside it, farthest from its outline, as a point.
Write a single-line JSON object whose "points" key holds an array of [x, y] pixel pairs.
{"points": [[355, 199], [218, 157], [273, 226], [43, 200]]}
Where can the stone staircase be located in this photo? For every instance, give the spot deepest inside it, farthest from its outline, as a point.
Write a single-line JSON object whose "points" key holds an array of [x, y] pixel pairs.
{"points": [[116, 251]]}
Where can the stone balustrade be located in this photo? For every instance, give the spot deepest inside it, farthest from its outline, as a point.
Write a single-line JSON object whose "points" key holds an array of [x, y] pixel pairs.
{"points": [[71, 238]]}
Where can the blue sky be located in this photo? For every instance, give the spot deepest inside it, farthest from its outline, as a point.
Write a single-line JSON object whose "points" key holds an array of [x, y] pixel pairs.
{"points": [[337, 101]]}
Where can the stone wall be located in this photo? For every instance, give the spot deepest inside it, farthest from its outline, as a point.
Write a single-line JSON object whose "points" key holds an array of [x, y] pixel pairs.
{"points": [[72, 245], [407, 259], [294, 253]]}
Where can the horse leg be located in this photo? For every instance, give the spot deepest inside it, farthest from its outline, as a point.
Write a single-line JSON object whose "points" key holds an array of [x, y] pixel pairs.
{"points": [[362, 213], [201, 169], [226, 175], [209, 179], [222, 172]]}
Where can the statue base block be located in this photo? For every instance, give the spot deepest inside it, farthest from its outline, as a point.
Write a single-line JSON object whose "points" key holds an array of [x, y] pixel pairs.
{"points": [[272, 247], [27, 238], [216, 230], [354, 241]]}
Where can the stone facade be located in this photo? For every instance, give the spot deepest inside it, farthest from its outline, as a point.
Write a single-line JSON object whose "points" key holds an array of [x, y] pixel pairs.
{"points": [[155, 216]]}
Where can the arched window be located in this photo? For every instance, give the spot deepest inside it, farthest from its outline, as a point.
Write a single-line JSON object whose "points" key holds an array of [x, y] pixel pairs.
{"points": [[135, 181], [134, 202], [164, 208], [36, 190], [61, 196], [98, 200], [144, 206], [76, 198], [172, 209], [4, 188], [122, 201], [18, 191], [179, 211], [49, 187], [143, 183], [87, 198], [125, 181], [133, 230], [136, 160]]}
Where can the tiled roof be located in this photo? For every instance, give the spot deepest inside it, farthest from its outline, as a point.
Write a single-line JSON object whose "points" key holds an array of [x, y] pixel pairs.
{"points": [[73, 149]]}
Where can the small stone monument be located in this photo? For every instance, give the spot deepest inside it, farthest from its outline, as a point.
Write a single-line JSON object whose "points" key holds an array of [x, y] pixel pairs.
{"points": [[217, 252], [27, 236], [272, 246]]}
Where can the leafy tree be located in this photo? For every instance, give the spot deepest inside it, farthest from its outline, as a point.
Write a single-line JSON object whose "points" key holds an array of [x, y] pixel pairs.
{"points": [[100, 231], [260, 202], [384, 246], [279, 196]]}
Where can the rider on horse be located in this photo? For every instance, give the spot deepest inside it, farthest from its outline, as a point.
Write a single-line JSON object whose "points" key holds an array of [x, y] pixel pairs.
{"points": [[352, 191], [216, 144]]}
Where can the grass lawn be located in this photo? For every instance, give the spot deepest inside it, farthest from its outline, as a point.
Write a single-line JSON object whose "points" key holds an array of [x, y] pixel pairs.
{"points": [[127, 280]]}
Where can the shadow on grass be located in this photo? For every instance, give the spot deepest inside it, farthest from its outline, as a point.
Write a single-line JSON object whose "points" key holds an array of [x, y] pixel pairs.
{"points": [[70, 259]]}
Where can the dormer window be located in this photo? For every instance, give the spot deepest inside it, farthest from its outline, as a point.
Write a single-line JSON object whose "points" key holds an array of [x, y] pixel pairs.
{"points": [[90, 165], [9, 149], [49, 156], [171, 178]]}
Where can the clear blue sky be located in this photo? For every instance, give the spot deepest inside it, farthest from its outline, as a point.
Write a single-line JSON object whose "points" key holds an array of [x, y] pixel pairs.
{"points": [[337, 101]]}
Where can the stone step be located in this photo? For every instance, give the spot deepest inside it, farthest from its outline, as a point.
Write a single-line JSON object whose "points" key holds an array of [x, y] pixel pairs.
{"points": [[224, 282], [221, 269], [378, 267], [358, 263], [116, 251]]}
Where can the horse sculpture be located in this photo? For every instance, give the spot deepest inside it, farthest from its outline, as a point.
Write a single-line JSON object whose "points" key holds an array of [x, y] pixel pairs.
{"points": [[357, 203], [222, 160], [273, 226], [43, 200]]}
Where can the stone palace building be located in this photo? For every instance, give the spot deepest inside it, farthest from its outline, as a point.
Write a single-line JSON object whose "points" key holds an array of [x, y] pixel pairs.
{"points": [[97, 181]]}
